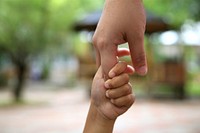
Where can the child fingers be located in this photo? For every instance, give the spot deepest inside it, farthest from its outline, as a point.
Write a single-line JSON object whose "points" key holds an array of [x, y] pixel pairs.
{"points": [[126, 101], [117, 69], [119, 92], [130, 69], [117, 81]]}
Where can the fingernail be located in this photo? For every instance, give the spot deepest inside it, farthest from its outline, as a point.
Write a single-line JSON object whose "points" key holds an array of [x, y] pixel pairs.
{"points": [[106, 85], [111, 74], [107, 95], [142, 70]]}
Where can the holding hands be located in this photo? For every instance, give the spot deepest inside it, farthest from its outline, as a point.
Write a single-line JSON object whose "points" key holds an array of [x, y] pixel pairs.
{"points": [[113, 97], [122, 21], [109, 99]]}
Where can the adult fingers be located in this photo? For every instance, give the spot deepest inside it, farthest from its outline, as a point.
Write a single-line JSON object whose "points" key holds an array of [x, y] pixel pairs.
{"points": [[135, 38], [123, 52], [136, 45], [106, 54]]}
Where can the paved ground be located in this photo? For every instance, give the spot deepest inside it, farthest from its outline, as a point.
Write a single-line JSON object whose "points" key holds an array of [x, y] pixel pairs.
{"points": [[64, 111]]}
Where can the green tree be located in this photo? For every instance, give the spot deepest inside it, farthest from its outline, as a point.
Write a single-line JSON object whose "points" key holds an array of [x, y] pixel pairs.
{"points": [[175, 11], [27, 27]]}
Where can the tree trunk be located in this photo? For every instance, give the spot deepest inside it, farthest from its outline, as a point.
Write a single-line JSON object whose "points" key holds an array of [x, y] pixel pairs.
{"points": [[19, 59], [21, 69]]}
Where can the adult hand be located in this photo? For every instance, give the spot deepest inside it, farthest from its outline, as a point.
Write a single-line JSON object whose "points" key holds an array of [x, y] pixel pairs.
{"points": [[121, 21]]}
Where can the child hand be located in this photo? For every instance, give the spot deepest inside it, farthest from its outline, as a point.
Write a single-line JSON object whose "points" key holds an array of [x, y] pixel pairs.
{"points": [[113, 97]]}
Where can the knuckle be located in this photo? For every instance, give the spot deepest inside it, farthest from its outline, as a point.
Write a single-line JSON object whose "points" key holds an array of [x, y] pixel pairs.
{"points": [[140, 57], [100, 43], [94, 40], [126, 77], [140, 60], [127, 89], [110, 83], [116, 69], [111, 93]]}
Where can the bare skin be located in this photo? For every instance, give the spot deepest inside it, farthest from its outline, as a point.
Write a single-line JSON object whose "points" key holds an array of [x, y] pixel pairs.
{"points": [[121, 21], [109, 99]]}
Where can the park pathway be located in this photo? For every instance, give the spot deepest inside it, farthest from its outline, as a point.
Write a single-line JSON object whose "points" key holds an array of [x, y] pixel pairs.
{"points": [[65, 110]]}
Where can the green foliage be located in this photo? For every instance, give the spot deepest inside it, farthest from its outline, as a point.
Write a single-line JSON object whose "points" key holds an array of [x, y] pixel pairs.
{"points": [[195, 9], [3, 80], [29, 26], [175, 11], [22, 25], [192, 87]]}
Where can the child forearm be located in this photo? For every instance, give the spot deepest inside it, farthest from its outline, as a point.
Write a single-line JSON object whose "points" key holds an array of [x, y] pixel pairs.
{"points": [[96, 123]]}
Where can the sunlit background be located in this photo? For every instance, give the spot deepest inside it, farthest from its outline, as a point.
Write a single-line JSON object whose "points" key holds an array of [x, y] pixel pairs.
{"points": [[47, 63]]}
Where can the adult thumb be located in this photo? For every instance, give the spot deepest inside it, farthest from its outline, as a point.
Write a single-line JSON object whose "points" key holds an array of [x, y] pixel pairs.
{"points": [[138, 56]]}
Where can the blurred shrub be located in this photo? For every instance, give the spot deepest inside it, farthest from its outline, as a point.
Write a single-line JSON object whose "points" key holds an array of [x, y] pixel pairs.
{"points": [[3, 80]]}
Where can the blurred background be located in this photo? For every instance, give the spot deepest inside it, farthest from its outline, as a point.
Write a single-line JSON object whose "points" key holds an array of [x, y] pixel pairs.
{"points": [[47, 63]]}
